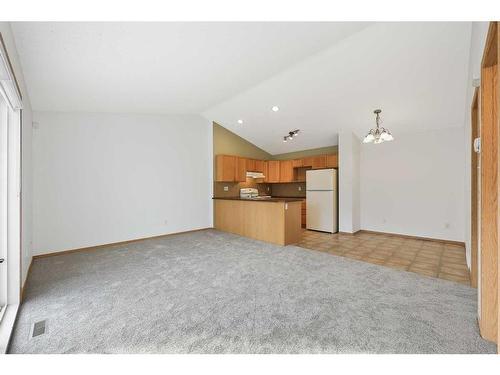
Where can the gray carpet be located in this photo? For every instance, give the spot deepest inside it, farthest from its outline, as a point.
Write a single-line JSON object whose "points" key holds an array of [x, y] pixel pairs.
{"points": [[212, 292]]}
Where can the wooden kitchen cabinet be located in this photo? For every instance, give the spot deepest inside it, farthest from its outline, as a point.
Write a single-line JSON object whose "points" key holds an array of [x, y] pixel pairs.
{"points": [[250, 165], [225, 166], [241, 170], [273, 171], [319, 162], [304, 213], [286, 171], [297, 163], [307, 162], [259, 166], [332, 161]]}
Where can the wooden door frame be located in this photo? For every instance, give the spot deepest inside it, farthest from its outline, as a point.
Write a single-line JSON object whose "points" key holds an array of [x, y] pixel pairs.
{"points": [[489, 227], [474, 189]]}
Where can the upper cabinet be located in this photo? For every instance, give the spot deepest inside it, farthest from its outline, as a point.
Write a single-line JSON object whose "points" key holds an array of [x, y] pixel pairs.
{"points": [[273, 171], [286, 171], [319, 162], [225, 168], [307, 162], [259, 166], [250, 163], [231, 168], [241, 170], [332, 161]]}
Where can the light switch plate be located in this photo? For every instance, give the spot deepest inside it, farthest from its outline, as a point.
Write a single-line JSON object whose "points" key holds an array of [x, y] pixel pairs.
{"points": [[226, 188]]}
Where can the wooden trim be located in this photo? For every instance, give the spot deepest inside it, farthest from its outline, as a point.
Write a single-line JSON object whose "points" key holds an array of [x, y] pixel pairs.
{"points": [[98, 247], [474, 190], [489, 227], [491, 50], [449, 242]]}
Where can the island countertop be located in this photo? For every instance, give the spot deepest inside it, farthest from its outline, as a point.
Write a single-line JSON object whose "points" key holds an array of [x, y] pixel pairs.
{"points": [[278, 221], [272, 199]]}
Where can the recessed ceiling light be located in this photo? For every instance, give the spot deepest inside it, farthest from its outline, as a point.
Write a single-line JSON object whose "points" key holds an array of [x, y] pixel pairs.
{"points": [[240, 121], [275, 108]]}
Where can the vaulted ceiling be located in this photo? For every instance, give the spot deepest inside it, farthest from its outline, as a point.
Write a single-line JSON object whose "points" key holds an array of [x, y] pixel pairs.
{"points": [[325, 77]]}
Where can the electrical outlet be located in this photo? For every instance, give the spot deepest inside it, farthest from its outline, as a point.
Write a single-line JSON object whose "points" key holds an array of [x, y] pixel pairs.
{"points": [[300, 188], [226, 188]]}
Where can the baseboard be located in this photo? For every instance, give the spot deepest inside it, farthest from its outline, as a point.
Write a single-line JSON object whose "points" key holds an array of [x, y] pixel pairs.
{"points": [[414, 237], [350, 233], [26, 280], [98, 247]]}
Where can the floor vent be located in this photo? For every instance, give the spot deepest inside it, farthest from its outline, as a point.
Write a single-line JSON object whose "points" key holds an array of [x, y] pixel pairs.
{"points": [[39, 328]]}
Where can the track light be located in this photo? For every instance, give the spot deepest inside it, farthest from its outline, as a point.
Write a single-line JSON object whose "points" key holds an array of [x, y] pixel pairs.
{"points": [[292, 134]]}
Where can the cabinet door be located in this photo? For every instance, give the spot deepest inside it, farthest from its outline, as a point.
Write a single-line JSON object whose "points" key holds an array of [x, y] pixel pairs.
{"points": [[225, 168], [332, 161], [259, 166], [250, 165], [297, 163], [319, 162], [273, 171], [307, 162], [265, 171], [240, 170], [286, 171], [304, 213]]}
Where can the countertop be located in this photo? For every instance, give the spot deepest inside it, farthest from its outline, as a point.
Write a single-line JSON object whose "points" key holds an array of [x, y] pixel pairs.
{"points": [[273, 199]]}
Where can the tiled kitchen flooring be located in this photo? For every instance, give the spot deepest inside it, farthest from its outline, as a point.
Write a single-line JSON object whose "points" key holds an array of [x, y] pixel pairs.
{"points": [[429, 258]]}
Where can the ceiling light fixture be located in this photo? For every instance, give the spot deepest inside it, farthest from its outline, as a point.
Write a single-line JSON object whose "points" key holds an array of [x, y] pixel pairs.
{"points": [[240, 122], [378, 134], [275, 108], [291, 135]]}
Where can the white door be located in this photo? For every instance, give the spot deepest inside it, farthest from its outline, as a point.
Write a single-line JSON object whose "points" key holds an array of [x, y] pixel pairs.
{"points": [[320, 214]]}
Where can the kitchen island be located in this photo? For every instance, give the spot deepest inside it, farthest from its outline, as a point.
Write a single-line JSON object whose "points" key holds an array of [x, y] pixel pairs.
{"points": [[274, 220]]}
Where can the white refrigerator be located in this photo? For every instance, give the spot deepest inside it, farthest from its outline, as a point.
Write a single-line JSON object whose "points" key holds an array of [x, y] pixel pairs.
{"points": [[321, 200]]}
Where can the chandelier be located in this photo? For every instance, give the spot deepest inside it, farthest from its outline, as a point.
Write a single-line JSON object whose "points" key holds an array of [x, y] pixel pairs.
{"points": [[378, 134]]}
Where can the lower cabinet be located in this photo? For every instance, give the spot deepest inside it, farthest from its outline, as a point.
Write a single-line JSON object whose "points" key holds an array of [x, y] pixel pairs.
{"points": [[304, 213]]}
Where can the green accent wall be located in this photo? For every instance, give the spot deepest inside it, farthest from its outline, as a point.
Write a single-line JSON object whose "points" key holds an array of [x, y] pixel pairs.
{"points": [[228, 143], [306, 153]]}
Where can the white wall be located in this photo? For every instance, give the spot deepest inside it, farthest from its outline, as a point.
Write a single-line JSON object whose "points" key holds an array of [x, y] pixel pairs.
{"points": [[478, 40], [349, 182], [414, 185], [103, 178], [27, 171]]}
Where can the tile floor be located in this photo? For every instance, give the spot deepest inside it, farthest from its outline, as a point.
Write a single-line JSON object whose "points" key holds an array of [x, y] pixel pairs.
{"points": [[429, 258]]}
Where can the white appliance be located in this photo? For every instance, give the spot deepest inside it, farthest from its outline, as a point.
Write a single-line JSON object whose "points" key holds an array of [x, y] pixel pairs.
{"points": [[249, 193], [255, 175], [321, 200]]}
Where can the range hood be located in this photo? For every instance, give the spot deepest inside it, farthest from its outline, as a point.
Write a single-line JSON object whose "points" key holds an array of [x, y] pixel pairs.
{"points": [[255, 175]]}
